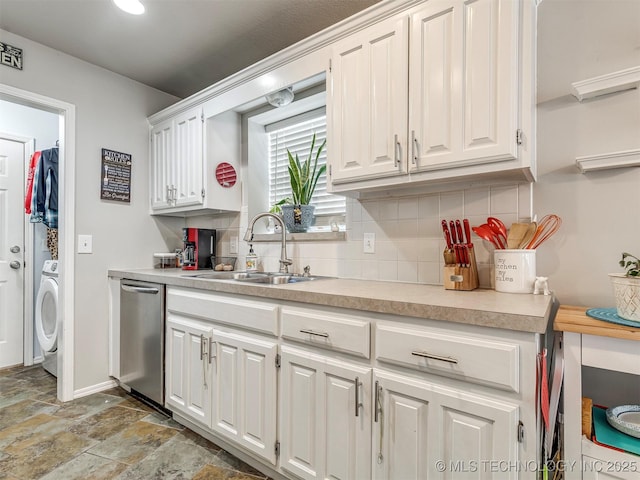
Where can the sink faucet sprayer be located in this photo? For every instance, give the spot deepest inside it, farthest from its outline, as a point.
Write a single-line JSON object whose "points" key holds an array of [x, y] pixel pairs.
{"points": [[248, 237]]}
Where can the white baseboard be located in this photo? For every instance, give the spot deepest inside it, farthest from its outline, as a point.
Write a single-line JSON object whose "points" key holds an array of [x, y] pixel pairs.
{"points": [[100, 387]]}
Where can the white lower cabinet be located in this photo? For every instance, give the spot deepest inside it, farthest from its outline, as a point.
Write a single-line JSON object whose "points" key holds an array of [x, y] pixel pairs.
{"points": [[244, 391], [188, 378], [424, 430], [325, 417]]}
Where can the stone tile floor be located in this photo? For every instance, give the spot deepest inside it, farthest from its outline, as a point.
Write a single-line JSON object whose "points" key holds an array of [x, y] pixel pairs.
{"points": [[107, 435]]}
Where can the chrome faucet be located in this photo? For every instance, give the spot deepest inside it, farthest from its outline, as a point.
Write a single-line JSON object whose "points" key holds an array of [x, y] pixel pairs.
{"points": [[248, 236]]}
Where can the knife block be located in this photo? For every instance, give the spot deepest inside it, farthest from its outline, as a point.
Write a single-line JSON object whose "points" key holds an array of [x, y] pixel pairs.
{"points": [[456, 277]]}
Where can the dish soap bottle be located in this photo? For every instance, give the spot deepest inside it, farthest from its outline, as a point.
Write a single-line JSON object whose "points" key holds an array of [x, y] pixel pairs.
{"points": [[251, 260]]}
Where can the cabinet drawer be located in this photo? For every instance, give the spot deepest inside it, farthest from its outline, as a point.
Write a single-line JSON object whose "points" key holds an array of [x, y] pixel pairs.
{"points": [[237, 311], [468, 358], [339, 332]]}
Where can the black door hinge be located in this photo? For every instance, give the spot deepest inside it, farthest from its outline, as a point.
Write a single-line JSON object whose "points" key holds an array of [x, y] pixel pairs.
{"points": [[519, 137], [278, 361], [520, 432], [277, 448]]}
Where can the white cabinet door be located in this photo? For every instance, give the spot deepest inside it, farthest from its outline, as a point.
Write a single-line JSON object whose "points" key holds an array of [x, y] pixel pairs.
{"points": [[177, 161], [463, 83], [188, 161], [325, 429], [161, 165], [188, 374], [418, 425], [244, 391], [368, 103]]}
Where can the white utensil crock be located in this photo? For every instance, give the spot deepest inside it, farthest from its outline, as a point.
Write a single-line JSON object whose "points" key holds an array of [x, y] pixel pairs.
{"points": [[515, 270]]}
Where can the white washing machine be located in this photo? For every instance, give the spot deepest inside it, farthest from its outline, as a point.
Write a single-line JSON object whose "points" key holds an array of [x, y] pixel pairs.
{"points": [[47, 323]]}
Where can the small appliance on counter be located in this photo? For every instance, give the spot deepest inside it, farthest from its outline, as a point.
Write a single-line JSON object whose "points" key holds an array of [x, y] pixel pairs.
{"points": [[199, 244]]}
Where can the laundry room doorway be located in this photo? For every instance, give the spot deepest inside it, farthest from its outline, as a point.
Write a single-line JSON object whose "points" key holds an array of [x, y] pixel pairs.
{"points": [[65, 113]]}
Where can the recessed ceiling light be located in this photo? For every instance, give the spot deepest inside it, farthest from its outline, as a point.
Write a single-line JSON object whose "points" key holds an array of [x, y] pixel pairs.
{"points": [[134, 7]]}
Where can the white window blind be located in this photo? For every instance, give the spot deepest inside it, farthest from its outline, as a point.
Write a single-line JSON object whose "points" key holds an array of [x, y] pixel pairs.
{"points": [[296, 134]]}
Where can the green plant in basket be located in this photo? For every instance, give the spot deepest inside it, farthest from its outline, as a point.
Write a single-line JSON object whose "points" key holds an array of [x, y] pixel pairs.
{"points": [[631, 264], [303, 177]]}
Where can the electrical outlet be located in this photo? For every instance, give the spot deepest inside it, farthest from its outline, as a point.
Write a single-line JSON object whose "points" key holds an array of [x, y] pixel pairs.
{"points": [[233, 245], [369, 243], [85, 243]]}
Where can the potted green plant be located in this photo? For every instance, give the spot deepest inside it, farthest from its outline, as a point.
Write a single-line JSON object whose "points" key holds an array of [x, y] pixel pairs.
{"points": [[303, 178], [626, 287]]}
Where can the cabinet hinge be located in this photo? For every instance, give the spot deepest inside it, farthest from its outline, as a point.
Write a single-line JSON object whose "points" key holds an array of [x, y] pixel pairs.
{"points": [[329, 171], [278, 363], [519, 137], [520, 432], [330, 66], [202, 117], [277, 448], [202, 193]]}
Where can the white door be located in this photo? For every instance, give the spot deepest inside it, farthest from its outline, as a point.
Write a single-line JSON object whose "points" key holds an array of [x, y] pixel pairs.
{"points": [[187, 163], [161, 167], [326, 417], [244, 391], [12, 165]]}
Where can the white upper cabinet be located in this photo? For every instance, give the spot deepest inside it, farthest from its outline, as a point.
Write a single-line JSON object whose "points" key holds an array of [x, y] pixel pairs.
{"points": [[463, 86], [440, 92], [369, 102], [176, 161], [195, 163]]}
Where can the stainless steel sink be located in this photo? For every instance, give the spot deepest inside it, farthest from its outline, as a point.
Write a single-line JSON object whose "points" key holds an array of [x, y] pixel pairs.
{"points": [[273, 278]]}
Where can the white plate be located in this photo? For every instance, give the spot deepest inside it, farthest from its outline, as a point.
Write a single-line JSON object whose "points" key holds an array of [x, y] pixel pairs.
{"points": [[625, 418]]}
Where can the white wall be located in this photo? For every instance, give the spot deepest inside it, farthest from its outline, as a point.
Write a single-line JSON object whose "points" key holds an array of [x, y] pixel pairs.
{"points": [[600, 210], [111, 113]]}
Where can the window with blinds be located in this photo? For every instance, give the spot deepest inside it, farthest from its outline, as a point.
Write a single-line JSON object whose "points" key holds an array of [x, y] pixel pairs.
{"points": [[296, 134]]}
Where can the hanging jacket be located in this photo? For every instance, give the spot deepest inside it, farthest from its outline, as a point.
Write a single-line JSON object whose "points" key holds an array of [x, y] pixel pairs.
{"points": [[44, 201], [30, 174]]}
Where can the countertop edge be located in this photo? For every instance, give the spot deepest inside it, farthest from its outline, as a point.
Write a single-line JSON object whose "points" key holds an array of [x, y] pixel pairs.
{"points": [[449, 308]]}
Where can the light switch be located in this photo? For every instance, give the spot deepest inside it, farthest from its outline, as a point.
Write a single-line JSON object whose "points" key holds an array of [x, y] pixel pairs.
{"points": [[85, 243], [233, 245], [369, 243]]}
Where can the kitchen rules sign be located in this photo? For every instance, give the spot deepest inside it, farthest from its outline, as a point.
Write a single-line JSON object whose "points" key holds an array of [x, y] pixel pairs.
{"points": [[115, 176]]}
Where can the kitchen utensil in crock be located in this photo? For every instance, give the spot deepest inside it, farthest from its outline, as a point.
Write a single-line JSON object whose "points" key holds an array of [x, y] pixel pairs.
{"points": [[486, 233], [531, 231], [516, 234], [547, 226], [499, 229]]}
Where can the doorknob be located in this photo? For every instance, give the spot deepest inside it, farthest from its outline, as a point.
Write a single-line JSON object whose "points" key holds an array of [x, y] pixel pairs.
{"points": [[15, 265], [15, 249]]}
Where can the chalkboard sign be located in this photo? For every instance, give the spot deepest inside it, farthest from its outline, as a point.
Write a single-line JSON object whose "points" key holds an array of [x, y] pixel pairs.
{"points": [[115, 176]]}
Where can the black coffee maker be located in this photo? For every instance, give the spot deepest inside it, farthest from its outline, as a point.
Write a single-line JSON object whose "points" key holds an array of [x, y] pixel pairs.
{"points": [[198, 245]]}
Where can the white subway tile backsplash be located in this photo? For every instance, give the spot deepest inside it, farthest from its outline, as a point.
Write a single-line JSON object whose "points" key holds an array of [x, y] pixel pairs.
{"points": [[409, 241]]}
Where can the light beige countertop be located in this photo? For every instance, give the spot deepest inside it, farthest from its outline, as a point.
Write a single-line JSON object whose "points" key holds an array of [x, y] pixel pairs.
{"points": [[483, 307]]}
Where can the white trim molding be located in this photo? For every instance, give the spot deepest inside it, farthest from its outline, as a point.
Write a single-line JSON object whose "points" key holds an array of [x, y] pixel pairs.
{"points": [[604, 84], [90, 390], [606, 161]]}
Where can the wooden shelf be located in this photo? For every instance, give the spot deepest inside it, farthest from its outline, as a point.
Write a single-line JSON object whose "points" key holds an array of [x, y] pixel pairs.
{"points": [[605, 84], [605, 161], [574, 319]]}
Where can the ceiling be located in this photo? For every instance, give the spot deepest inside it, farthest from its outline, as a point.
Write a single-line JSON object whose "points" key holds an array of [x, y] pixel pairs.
{"points": [[177, 46]]}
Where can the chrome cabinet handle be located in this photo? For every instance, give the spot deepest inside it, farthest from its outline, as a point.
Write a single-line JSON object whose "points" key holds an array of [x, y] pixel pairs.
{"points": [[201, 347], [435, 357], [212, 349], [168, 195], [174, 194], [15, 249], [376, 417], [358, 402], [317, 334], [414, 148], [397, 151], [15, 264]]}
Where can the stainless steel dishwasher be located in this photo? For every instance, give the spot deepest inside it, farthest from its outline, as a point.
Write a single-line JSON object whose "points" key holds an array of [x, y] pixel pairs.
{"points": [[142, 338]]}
